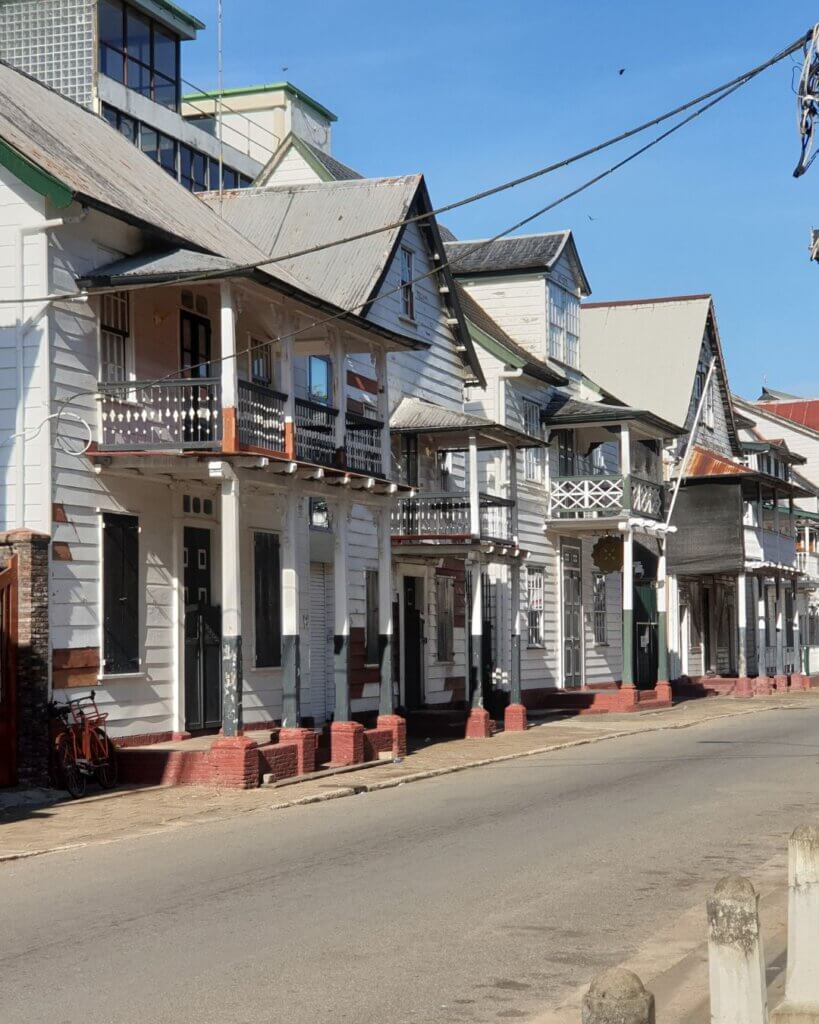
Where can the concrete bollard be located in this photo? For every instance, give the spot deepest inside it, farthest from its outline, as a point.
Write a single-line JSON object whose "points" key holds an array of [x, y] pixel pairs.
{"points": [[736, 963], [802, 978], [617, 997]]}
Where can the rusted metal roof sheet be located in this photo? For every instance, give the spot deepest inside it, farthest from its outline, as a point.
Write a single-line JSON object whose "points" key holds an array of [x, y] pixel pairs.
{"points": [[286, 219]]}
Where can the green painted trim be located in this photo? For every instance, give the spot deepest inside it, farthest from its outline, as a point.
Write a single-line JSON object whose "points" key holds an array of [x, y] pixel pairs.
{"points": [[493, 346], [662, 647], [252, 90], [35, 177], [628, 647]]}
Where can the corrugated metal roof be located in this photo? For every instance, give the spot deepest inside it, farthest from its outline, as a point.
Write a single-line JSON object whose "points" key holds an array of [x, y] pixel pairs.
{"points": [[158, 266], [335, 168], [290, 218], [103, 168], [645, 352], [418, 416], [564, 410]]}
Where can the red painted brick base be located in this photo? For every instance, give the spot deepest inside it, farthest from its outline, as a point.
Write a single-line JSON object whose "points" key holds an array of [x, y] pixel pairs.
{"points": [[763, 686], [744, 687], [478, 725], [235, 761], [398, 727], [346, 743], [514, 718], [305, 743], [780, 683], [663, 691]]}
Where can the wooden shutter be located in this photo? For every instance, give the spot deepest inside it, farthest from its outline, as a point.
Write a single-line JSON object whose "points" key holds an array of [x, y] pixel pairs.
{"points": [[267, 590], [120, 593]]}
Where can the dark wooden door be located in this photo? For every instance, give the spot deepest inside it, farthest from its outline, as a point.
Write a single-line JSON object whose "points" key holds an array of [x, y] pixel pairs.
{"points": [[413, 642], [572, 617], [645, 635], [8, 675], [203, 670]]}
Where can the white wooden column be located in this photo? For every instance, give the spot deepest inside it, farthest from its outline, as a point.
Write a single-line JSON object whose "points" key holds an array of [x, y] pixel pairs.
{"points": [[178, 614], [385, 624], [780, 626], [515, 693], [287, 370], [797, 628], [293, 527], [761, 620], [228, 369], [474, 488], [742, 627], [628, 560], [341, 611], [231, 603], [476, 631]]}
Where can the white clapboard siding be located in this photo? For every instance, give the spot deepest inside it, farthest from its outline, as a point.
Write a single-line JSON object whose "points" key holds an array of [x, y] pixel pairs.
{"points": [[518, 304]]}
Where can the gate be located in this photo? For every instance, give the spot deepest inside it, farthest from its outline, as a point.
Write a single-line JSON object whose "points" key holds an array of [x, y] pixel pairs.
{"points": [[8, 674]]}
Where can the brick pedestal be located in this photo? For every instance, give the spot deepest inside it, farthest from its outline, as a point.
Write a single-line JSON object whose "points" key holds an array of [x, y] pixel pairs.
{"points": [[663, 691], [780, 683], [478, 725], [744, 687], [763, 686], [398, 727], [305, 742], [627, 698], [514, 718], [235, 762], [346, 743]]}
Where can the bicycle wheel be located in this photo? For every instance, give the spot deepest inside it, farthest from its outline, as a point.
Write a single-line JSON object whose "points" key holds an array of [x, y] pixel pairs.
{"points": [[70, 776], [105, 759]]}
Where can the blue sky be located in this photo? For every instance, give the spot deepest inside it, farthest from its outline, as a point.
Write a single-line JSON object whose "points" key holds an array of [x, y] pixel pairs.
{"points": [[472, 93]]}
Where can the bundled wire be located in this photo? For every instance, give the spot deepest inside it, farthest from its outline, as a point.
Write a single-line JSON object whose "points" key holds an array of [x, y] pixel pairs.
{"points": [[807, 101]]}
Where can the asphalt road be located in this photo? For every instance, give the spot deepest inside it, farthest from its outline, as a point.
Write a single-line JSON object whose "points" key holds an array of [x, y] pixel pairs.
{"points": [[479, 896]]}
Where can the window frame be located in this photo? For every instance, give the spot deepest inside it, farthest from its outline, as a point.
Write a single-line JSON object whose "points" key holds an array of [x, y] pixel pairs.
{"points": [[312, 361], [124, 334], [444, 620], [126, 661], [535, 627], [406, 271], [123, 52], [372, 650], [532, 457], [267, 625]]}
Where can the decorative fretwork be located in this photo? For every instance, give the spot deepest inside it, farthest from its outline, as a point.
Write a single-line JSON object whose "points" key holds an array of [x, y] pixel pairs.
{"points": [[316, 433], [364, 444], [445, 515], [173, 414], [646, 498], [260, 416], [591, 497]]}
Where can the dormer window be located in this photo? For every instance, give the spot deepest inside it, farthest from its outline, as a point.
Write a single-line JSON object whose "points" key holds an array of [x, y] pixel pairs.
{"points": [[139, 52], [564, 325], [407, 285]]}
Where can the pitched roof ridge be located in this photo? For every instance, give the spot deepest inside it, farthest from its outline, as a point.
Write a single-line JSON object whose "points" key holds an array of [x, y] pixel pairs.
{"points": [[649, 301], [511, 238]]}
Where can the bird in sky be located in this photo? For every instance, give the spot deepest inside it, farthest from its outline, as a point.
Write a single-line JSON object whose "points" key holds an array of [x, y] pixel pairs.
{"points": [[622, 71]]}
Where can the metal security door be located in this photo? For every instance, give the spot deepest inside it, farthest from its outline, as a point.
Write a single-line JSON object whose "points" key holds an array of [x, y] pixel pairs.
{"points": [[203, 668], [322, 680], [572, 617]]}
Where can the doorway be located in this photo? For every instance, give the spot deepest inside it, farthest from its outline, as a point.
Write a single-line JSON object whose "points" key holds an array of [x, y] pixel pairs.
{"points": [[413, 642], [322, 666], [194, 358], [203, 669], [572, 590], [707, 640], [645, 635]]}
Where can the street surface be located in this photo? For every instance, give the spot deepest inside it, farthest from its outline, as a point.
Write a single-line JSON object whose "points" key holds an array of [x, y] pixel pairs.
{"points": [[481, 896]]}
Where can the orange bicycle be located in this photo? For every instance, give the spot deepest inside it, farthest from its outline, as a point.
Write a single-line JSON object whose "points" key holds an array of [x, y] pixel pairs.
{"points": [[81, 747]]}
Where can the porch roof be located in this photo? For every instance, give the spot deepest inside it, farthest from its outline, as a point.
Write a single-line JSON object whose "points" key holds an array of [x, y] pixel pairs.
{"points": [[563, 410], [452, 427], [709, 466]]}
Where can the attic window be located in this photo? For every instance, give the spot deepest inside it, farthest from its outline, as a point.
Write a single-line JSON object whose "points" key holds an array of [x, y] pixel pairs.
{"points": [[407, 286]]}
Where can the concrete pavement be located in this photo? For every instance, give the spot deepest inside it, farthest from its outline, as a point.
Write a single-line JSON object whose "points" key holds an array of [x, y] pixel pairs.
{"points": [[485, 895]]}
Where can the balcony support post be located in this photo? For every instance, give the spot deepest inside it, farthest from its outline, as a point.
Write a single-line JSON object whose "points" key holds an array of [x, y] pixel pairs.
{"points": [[625, 464], [382, 377], [742, 627], [514, 718], [293, 527], [761, 618], [628, 609], [228, 369], [339, 392], [288, 386], [231, 602], [474, 489], [385, 597], [663, 684], [346, 736], [780, 629], [478, 724], [797, 625]]}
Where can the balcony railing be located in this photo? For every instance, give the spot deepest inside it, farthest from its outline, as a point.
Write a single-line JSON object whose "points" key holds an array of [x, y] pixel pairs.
{"points": [[363, 448], [604, 496], [260, 416], [808, 563], [149, 416], [316, 433], [445, 516]]}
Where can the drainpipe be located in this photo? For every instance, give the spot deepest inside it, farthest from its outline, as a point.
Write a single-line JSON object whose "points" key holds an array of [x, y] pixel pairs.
{"points": [[23, 233]]}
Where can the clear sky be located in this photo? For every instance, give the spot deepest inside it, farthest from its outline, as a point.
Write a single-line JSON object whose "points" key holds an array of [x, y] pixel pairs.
{"points": [[472, 93]]}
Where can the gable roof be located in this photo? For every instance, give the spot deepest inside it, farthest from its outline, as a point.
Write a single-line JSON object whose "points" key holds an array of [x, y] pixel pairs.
{"points": [[326, 167], [646, 351], [803, 411], [291, 218], [516, 254], [490, 336], [69, 153]]}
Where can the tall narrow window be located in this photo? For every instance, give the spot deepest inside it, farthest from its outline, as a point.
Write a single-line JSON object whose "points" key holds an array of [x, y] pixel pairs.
{"points": [[115, 337], [409, 460], [261, 362], [371, 652], [557, 321], [599, 608], [407, 285], [267, 600], [319, 379], [532, 457], [120, 593], [445, 617], [534, 606]]}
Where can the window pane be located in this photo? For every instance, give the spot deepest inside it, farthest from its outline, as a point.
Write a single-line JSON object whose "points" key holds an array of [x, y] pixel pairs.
{"points": [[112, 63], [139, 78], [167, 154], [165, 53], [165, 91], [138, 36], [230, 177], [319, 379], [200, 164], [110, 23], [213, 175], [186, 166], [149, 141], [244, 181], [128, 127], [110, 114]]}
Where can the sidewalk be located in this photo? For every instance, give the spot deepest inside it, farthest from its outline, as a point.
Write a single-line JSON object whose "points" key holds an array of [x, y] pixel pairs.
{"points": [[130, 812]]}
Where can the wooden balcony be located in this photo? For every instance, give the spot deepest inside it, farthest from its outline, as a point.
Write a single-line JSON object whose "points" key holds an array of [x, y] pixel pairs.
{"points": [[605, 496], [185, 414], [445, 517]]}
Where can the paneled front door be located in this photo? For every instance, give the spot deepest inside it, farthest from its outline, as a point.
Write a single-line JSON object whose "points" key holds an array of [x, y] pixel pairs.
{"points": [[572, 616], [203, 622]]}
